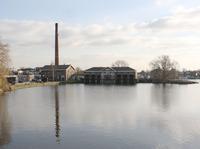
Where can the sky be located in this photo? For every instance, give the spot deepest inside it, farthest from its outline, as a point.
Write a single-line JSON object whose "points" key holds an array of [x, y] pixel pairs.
{"points": [[95, 33]]}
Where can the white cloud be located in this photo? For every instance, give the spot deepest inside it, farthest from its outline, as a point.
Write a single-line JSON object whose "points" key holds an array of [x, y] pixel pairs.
{"points": [[97, 35], [173, 34], [33, 35], [24, 34], [165, 2], [182, 20]]}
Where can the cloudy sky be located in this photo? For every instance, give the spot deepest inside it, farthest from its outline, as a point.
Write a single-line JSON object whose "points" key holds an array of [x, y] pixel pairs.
{"points": [[99, 32]]}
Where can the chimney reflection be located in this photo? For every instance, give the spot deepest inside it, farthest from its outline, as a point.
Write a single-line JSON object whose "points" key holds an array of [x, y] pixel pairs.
{"points": [[57, 123], [5, 136]]}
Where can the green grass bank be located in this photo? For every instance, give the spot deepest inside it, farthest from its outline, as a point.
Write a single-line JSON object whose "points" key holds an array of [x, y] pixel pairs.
{"points": [[14, 87], [22, 86]]}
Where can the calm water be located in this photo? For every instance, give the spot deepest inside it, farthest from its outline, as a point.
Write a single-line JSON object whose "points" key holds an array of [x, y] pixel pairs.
{"points": [[143, 116]]}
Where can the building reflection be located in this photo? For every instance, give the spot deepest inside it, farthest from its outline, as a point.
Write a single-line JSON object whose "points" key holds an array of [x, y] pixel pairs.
{"points": [[5, 137], [57, 114]]}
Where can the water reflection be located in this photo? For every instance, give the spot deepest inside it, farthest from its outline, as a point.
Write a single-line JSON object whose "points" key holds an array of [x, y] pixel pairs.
{"points": [[5, 137], [98, 106], [57, 114], [97, 116], [174, 110], [160, 96]]}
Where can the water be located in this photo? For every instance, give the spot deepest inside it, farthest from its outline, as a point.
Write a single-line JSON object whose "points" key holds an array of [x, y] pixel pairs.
{"points": [[141, 116]]}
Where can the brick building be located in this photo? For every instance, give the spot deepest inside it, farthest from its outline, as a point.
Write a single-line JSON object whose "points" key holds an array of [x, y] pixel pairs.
{"points": [[57, 72]]}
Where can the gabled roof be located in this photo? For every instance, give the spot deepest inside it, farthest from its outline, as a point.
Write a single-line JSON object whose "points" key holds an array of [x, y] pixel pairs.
{"points": [[123, 69], [117, 69], [107, 69], [95, 69], [57, 67]]}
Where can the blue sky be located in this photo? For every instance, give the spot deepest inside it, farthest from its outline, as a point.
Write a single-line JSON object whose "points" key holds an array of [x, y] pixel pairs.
{"points": [[99, 32]]}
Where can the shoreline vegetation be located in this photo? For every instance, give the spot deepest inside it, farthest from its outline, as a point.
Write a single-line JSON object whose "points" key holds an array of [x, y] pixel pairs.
{"points": [[28, 85]]}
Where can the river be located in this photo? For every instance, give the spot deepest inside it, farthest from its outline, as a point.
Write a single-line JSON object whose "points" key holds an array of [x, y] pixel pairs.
{"points": [[78, 116]]}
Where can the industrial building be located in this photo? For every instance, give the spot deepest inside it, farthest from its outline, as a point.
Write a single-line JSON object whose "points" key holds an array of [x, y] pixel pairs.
{"points": [[110, 75]]}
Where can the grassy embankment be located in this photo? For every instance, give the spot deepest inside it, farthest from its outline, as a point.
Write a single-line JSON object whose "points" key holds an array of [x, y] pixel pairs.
{"points": [[29, 85], [21, 86], [14, 87]]}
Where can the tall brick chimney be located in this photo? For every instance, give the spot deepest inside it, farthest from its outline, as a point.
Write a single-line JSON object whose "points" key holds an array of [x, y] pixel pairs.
{"points": [[56, 45]]}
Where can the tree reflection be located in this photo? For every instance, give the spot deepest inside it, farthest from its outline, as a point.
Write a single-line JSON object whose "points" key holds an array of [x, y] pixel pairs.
{"points": [[57, 123], [160, 95], [5, 136]]}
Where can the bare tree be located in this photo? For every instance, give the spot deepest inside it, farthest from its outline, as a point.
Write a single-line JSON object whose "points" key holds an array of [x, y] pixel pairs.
{"points": [[120, 63], [4, 64], [163, 68], [78, 71]]}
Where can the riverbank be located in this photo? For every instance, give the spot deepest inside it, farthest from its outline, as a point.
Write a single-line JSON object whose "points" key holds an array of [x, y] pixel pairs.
{"points": [[71, 82], [22, 86], [14, 87], [175, 81], [29, 85], [172, 81]]}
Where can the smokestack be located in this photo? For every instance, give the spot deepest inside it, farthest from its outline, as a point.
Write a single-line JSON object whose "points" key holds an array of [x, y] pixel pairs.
{"points": [[56, 45]]}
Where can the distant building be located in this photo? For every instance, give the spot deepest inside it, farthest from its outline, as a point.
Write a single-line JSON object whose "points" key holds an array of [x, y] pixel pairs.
{"points": [[34, 71], [11, 78], [57, 72], [25, 76], [20, 76], [195, 74], [110, 75], [27, 69]]}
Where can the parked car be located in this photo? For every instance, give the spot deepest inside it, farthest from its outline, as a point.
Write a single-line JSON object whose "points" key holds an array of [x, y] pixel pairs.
{"points": [[12, 82], [36, 81]]}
